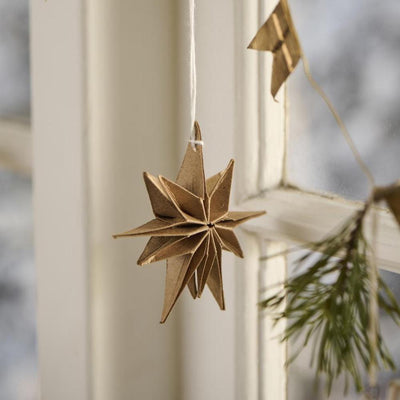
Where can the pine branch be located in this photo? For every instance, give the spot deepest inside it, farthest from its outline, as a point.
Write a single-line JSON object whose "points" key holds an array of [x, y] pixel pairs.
{"points": [[329, 303]]}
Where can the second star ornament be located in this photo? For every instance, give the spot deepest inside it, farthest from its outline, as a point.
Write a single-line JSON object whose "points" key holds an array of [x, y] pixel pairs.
{"points": [[192, 226]]}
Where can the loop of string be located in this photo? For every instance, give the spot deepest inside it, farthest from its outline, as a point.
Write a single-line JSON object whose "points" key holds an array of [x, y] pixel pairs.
{"points": [[193, 74], [196, 142]]}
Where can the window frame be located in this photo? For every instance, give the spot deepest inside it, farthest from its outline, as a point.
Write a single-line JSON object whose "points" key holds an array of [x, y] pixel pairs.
{"points": [[264, 185], [60, 193], [262, 151]]}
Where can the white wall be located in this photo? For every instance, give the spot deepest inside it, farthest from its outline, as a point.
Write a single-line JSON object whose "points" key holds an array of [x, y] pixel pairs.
{"points": [[132, 123], [207, 334]]}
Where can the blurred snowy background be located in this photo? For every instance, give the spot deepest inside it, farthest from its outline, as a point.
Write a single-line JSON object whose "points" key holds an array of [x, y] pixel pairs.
{"points": [[18, 360], [354, 51], [14, 59], [18, 365]]}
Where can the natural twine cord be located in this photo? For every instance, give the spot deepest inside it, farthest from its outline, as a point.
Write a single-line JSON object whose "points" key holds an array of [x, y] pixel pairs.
{"points": [[339, 121], [193, 75], [373, 267], [373, 271]]}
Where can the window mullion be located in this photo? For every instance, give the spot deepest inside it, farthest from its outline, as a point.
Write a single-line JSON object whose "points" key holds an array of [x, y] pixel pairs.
{"points": [[271, 117], [272, 352], [246, 322]]}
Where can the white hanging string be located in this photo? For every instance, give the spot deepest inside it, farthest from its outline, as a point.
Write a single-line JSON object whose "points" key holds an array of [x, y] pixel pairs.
{"points": [[193, 75]]}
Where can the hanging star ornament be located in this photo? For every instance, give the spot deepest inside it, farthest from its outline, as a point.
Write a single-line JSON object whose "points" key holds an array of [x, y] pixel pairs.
{"points": [[192, 226], [279, 36]]}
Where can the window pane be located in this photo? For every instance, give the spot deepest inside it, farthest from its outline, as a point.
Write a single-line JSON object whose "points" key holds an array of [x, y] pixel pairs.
{"points": [[14, 59], [18, 361], [354, 51], [301, 376]]}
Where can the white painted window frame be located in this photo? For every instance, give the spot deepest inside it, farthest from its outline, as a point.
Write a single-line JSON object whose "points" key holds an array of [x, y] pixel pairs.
{"points": [[294, 215], [58, 65]]}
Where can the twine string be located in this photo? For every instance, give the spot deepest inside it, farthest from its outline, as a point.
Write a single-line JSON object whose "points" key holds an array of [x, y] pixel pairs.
{"points": [[373, 267], [342, 126], [193, 73]]}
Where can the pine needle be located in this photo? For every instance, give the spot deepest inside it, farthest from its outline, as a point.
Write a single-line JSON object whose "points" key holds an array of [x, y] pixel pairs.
{"points": [[329, 304]]}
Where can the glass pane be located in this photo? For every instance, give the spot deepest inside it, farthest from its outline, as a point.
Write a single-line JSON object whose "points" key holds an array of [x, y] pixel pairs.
{"points": [[18, 361], [14, 59], [354, 51], [301, 375]]}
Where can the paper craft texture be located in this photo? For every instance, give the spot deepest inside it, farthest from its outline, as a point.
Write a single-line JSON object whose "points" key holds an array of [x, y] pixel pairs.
{"points": [[391, 195], [279, 36], [192, 226]]}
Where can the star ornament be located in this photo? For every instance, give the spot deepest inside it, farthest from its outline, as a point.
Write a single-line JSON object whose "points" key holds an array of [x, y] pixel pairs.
{"points": [[192, 226], [278, 35]]}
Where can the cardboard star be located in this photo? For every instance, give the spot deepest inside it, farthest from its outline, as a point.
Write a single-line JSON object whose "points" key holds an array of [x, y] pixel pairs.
{"points": [[393, 201], [391, 195], [191, 228], [279, 36]]}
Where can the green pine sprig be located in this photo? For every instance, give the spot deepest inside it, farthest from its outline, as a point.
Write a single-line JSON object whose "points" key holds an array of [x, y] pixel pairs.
{"points": [[329, 304]]}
